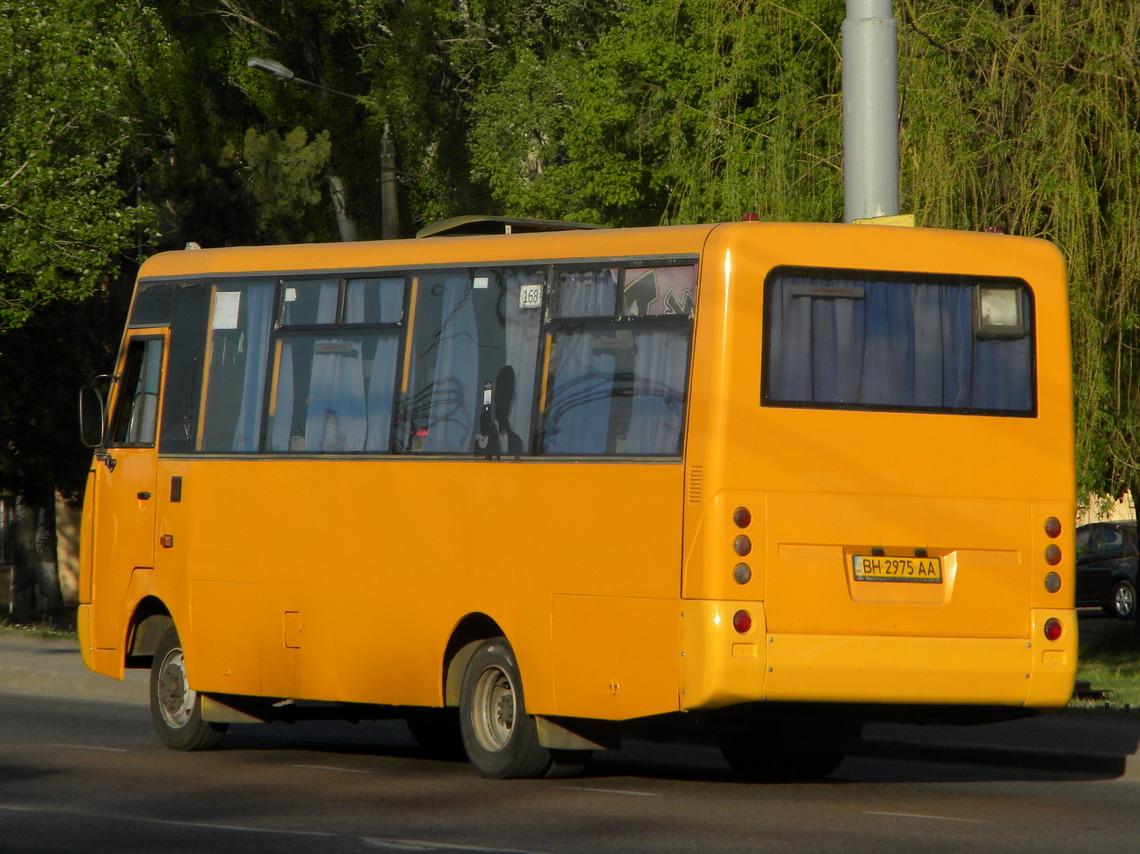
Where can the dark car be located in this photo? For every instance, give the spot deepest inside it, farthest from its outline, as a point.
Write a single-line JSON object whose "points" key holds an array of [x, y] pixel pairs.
{"points": [[1107, 559]]}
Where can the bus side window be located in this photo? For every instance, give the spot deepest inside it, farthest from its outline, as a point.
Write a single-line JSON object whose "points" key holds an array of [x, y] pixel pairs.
{"points": [[616, 383], [333, 388], [241, 314], [136, 417], [472, 364]]}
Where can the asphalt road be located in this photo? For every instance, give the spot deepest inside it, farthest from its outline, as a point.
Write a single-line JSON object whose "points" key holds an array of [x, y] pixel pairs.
{"points": [[89, 775]]}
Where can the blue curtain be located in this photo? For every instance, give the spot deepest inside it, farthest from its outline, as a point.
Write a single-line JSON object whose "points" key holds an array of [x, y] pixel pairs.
{"points": [[336, 419], [254, 340], [522, 328], [658, 412], [581, 389], [382, 378], [590, 293], [454, 390], [890, 344]]}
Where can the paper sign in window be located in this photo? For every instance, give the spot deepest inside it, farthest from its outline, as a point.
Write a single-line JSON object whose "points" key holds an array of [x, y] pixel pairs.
{"points": [[227, 305]]}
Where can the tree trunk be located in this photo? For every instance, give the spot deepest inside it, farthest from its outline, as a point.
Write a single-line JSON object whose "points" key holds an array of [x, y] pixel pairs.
{"points": [[346, 224], [35, 571]]}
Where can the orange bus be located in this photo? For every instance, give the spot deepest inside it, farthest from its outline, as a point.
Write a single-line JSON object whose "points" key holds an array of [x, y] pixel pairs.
{"points": [[532, 491]]}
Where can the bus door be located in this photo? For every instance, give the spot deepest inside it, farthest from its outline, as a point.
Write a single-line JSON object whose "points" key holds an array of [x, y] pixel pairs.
{"points": [[124, 512]]}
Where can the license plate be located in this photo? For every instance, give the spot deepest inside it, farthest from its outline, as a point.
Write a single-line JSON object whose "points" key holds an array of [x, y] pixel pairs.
{"points": [[920, 570]]}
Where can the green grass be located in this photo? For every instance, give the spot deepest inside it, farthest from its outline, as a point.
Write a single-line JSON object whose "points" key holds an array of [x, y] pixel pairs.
{"points": [[60, 627], [1111, 661]]}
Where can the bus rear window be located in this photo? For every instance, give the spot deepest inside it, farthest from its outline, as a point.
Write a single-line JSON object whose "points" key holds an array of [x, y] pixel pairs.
{"points": [[850, 339]]}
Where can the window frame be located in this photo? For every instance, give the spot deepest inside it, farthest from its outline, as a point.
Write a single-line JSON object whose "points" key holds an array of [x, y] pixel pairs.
{"points": [[856, 277], [404, 330], [120, 412], [555, 324], [281, 332]]}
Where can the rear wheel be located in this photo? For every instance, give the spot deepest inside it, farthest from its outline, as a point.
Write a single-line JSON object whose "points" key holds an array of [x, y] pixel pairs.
{"points": [[500, 738], [437, 731], [1123, 600], [757, 757], [175, 708], [792, 744]]}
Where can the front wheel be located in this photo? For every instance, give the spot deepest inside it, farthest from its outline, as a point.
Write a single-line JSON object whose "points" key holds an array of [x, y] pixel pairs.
{"points": [[1123, 600], [175, 707], [500, 738]]}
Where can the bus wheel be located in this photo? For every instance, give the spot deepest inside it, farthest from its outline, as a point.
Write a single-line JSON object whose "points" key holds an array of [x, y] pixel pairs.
{"points": [[175, 708], [437, 731], [500, 738], [759, 757]]}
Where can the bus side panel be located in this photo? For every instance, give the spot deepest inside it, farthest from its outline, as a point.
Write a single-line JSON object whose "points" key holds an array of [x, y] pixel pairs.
{"points": [[615, 658], [356, 572]]}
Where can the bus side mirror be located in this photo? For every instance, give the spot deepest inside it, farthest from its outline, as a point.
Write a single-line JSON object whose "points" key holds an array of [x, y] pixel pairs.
{"points": [[93, 413]]}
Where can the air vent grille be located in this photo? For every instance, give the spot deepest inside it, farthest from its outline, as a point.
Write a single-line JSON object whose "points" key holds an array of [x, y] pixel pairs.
{"points": [[696, 484]]}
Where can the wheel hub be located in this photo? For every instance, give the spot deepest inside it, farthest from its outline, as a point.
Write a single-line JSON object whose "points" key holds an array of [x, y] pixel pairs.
{"points": [[175, 699], [494, 709]]}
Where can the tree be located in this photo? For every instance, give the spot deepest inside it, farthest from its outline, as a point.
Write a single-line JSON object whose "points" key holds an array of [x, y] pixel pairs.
{"points": [[66, 220], [63, 204], [1027, 116]]}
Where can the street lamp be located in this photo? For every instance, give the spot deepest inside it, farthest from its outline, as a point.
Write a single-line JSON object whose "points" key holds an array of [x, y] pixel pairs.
{"points": [[389, 213], [276, 69]]}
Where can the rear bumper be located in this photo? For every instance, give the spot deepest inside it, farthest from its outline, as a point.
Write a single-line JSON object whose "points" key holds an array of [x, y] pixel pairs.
{"points": [[721, 667]]}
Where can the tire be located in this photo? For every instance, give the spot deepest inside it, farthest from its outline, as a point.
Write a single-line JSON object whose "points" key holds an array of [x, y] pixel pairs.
{"points": [[500, 738], [761, 758], [175, 707], [1123, 600], [437, 732]]}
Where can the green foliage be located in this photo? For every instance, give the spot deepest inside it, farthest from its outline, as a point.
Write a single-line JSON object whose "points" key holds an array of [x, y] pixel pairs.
{"points": [[691, 111], [285, 175], [1027, 116], [64, 215]]}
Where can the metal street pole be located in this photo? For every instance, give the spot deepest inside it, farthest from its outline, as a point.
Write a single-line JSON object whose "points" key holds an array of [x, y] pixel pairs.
{"points": [[390, 223], [389, 201], [870, 110]]}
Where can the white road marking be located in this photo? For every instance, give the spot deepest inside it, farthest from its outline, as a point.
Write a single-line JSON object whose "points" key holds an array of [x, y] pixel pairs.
{"points": [[425, 845], [333, 768], [198, 825], [611, 791], [241, 828], [931, 817], [89, 747]]}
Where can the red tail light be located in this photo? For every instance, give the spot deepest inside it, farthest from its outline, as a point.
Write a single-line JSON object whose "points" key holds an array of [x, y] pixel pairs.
{"points": [[742, 621], [1053, 629]]}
